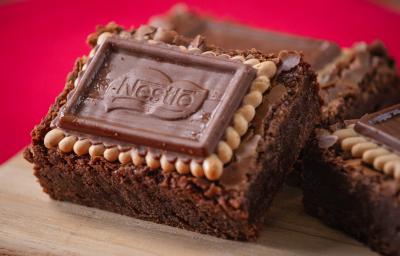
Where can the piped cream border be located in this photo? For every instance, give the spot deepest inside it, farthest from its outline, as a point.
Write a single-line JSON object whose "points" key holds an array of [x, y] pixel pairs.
{"points": [[377, 156], [212, 166]]}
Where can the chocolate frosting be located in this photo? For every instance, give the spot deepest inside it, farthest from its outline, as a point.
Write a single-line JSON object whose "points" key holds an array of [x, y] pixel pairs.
{"points": [[344, 75], [246, 156], [276, 94]]}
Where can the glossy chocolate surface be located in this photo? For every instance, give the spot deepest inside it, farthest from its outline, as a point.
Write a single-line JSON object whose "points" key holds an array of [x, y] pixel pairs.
{"points": [[156, 96]]}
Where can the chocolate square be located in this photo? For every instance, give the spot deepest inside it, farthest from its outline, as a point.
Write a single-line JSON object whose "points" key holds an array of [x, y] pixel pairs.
{"points": [[156, 96], [382, 126]]}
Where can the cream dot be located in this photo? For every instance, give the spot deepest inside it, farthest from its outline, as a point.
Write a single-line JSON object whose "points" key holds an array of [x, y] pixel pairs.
{"points": [[102, 37], [396, 169], [182, 167], [240, 124], [76, 81], [166, 165], [247, 111], [152, 162], [224, 56], [251, 62], [266, 68], [153, 42], [124, 34], [92, 53], [213, 167], [96, 150], [194, 50], [183, 48], [196, 169], [260, 84], [66, 145], [370, 155], [253, 98], [81, 147], [392, 167], [345, 133], [359, 149], [125, 157], [380, 161], [137, 159], [351, 126], [348, 143], [232, 137], [209, 53], [164, 35], [238, 58], [53, 137], [224, 152], [111, 154]]}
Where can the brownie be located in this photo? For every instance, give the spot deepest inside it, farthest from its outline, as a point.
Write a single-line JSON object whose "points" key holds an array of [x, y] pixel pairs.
{"points": [[351, 179], [94, 146], [353, 81]]}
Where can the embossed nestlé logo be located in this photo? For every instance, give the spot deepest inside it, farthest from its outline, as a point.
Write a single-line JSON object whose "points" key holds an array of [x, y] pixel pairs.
{"points": [[155, 96], [152, 92]]}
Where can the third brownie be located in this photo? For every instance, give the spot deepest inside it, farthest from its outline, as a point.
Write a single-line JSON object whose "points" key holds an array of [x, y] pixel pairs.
{"points": [[352, 178]]}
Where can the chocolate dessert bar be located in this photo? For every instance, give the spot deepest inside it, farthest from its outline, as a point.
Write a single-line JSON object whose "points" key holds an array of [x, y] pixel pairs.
{"points": [[173, 130], [352, 179], [353, 81]]}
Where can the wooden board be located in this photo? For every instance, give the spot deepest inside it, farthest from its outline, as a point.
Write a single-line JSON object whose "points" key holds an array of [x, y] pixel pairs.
{"points": [[32, 224]]}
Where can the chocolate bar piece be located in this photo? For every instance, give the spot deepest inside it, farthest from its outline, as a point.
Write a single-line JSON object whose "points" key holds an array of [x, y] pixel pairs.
{"points": [[382, 126], [172, 130], [352, 179], [353, 81], [162, 104]]}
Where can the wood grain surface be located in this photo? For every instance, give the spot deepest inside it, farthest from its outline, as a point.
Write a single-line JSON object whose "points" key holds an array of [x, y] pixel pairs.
{"points": [[33, 224]]}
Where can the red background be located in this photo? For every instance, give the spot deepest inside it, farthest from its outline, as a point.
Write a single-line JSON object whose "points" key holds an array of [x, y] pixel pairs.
{"points": [[39, 41]]}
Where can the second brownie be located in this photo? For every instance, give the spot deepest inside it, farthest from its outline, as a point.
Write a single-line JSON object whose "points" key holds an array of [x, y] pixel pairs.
{"points": [[351, 179]]}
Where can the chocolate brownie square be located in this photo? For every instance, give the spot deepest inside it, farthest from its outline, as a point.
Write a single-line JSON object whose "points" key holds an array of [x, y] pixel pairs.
{"points": [[351, 179], [173, 130]]}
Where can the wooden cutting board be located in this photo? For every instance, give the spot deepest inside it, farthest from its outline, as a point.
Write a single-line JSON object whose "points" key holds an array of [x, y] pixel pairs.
{"points": [[32, 224]]}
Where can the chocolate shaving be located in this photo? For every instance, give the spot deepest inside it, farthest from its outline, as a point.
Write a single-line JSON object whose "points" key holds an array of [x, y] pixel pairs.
{"points": [[327, 141], [289, 60]]}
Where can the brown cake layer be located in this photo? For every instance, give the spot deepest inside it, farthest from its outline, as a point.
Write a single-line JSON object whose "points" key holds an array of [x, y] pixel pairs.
{"points": [[232, 207], [349, 195]]}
